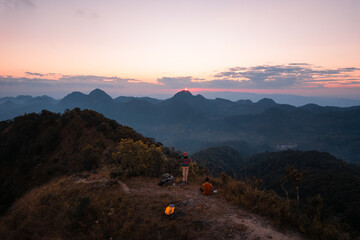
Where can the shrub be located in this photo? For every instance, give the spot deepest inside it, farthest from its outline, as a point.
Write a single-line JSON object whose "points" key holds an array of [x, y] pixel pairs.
{"points": [[90, 155], [196, 172], [307, 218], [225, 179], [137, 158]]}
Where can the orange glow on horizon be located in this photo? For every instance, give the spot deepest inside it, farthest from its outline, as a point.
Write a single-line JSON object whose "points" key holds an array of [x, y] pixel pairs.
{"points": [[259, 91]]}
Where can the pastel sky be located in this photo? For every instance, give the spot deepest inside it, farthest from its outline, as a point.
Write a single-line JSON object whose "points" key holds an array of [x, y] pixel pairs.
{"points": [[143, 47]]}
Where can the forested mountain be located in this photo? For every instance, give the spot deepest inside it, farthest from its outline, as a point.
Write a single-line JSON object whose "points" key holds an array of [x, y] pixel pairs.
{"points": [[220, 159], [192, 123], [332, 178], [35, 148], [337, 182]]}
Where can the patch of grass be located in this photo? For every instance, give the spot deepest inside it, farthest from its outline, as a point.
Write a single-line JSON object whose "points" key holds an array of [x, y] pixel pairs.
{"points": [[306, 218], [67, 208]]}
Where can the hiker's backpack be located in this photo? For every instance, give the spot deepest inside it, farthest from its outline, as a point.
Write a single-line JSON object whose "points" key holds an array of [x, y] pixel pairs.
{"points": [[167, 179], [186, 160], [170, 209]]}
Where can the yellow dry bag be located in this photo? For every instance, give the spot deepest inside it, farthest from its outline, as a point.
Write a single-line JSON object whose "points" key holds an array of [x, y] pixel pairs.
{"points": [[170, 209]]}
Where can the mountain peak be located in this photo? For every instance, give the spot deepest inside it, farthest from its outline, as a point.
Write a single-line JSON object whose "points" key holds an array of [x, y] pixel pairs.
{"points": [[74, 97], [186, 96], [266, 101], [183, 94], [99, 94]]}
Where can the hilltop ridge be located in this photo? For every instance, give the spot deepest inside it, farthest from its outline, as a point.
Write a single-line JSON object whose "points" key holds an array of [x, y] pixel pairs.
{"points": [[36, 148], [106, 208]]}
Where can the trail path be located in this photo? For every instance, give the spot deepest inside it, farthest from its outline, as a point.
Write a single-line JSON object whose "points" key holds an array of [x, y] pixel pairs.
{"points": [[212, 217]]}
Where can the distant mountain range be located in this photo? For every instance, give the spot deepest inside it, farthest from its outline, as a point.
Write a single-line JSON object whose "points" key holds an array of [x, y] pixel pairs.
{"points": [[192, 123], [285, 98]]}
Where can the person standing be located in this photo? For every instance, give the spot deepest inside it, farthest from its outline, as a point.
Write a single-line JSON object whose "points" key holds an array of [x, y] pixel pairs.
{"points": [[185, 162]]}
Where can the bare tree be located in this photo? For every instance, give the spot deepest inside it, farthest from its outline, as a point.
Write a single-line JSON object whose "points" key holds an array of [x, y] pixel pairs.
{"points": [[294, 176]]}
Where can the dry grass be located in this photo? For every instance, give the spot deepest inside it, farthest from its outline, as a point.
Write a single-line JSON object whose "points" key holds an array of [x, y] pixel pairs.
{"points": [[305, 218], [94, 206], [71, 208]]}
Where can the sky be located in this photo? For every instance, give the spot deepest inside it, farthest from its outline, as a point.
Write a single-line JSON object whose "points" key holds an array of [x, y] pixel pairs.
{"points": [[149, 47]]}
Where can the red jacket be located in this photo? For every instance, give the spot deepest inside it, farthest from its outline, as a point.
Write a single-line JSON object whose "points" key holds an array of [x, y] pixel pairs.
{"points": [[207, 188]]}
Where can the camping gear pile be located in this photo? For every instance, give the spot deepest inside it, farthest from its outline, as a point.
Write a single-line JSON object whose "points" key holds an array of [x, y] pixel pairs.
{"points": [[167, 179]]}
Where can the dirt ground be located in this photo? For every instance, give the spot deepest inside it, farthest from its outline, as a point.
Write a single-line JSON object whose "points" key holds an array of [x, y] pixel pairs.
{"points": [[210, 217]]}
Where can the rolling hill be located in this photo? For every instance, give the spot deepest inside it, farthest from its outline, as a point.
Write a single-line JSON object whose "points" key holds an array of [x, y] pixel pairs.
{"points": [[36, 148], [219, 159], [335, 180]]}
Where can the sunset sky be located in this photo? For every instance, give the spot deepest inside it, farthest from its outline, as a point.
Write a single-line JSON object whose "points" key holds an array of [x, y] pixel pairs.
{"points": [[147, 47]]}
